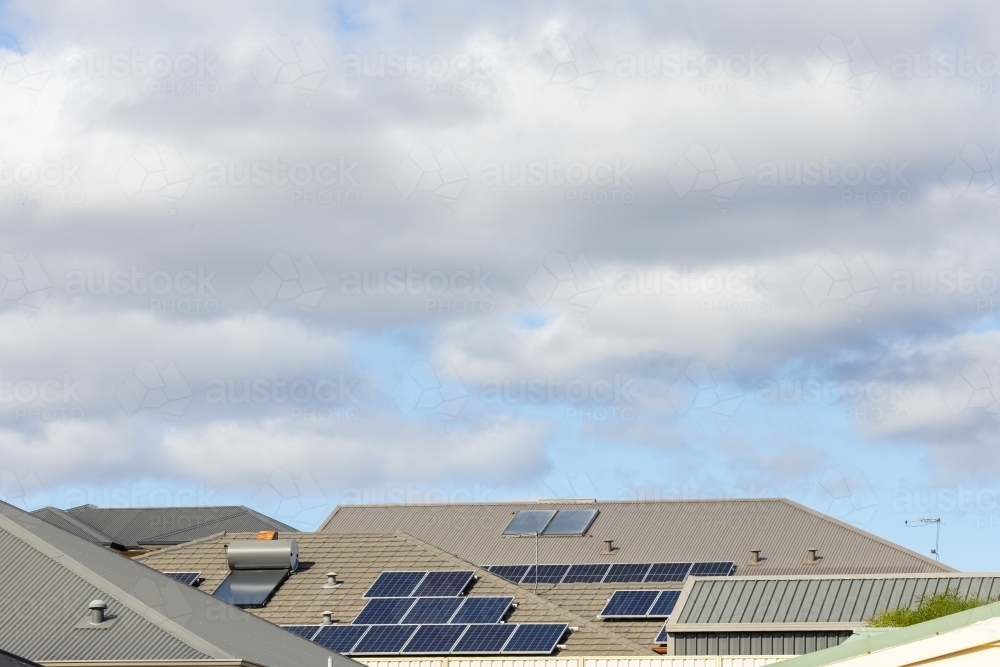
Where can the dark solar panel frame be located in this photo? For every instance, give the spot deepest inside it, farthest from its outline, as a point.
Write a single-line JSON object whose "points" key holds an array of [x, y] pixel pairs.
{"points": [[662, 637], [484, 639], [537, 638], [432, 610], [395, 584], [482, 610], [384, 611], [588, 573], [512, 573], [668, 572], [547, 574], [444, 584], [664, 604], [340, 638], [304, 631], [383, 639], [629, 604], [433, 639], [712, 569], [188, 578], [621, 573]]}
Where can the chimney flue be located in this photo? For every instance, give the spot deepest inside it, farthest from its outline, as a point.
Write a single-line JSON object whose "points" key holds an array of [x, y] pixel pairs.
{"points": [[609, 547], [812, 557], [327, 618], [755, 558], [97, 609]]}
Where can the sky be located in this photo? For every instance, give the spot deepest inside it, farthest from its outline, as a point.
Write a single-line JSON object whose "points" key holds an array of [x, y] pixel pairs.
{"points": [[291, 256]]}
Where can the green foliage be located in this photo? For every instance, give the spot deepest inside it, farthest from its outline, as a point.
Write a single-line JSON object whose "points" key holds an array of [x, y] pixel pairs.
{"points": [[928, 608]]}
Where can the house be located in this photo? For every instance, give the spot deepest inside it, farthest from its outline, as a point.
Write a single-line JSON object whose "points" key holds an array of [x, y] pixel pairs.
{"points": [[68, 601]]}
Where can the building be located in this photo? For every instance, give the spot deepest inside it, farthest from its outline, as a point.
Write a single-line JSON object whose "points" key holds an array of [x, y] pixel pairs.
{"points": [[68, 602], [140, 529]]}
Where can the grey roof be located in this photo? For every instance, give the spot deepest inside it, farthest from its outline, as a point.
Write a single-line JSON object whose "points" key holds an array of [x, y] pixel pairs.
{"points": [[140, 527], [11, 660], [648, 531], [810, 603], [51, 575]]}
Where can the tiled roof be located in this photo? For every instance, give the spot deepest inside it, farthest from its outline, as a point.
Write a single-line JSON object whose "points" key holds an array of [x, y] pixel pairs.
{"points": [[358, 559]]}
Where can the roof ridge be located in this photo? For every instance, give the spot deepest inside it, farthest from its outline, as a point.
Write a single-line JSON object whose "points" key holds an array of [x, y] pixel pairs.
{"points": [[75, 521]]}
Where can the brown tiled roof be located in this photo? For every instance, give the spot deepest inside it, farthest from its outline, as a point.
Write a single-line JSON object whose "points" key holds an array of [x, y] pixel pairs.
{"points": [[358, 559]]}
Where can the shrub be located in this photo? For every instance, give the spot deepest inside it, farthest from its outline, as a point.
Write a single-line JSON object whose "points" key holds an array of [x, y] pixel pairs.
{"points": [[928, 608]]}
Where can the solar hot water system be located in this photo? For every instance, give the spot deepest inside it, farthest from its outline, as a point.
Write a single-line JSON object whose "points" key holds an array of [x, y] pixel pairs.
{"points": [[256, 569]]}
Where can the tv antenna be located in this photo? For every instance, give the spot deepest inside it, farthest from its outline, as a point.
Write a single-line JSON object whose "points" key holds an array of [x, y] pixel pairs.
{"points": [[920, 523]]}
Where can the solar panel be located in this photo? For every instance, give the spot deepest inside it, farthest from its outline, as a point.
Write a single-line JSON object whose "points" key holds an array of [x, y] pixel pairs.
{"points": [[394, 584], [444, 583], [484, 639], [482, 610], [384, 639], [570, 522], [188, 578], [382, 611], [547, 574], [304, 631], [625, 572], [435, 639], [339, 638], [664, 604], [586, 574], [535, 638], [668, 572], [713, 569], [662, 637], [529, 522], [432, 610], [249, 588], [629, 604], [510, 572]]}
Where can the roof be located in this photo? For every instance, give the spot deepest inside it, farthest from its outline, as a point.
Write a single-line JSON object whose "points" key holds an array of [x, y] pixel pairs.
{"points": [[51, 575], [358, 559], [11, 660], [810, 603], [984, 617], [648, 531], [136, 528]]}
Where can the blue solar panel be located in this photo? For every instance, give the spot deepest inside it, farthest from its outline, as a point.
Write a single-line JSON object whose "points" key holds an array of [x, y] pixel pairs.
{"points": [[482, 610], [433, 610], [664, 604], [482, 639], [625, 572], [304, 631], [510, 572], [384, 639], [436, 639], [535, 638], [339, 638], [629, 604], [384, 611], [394, 584], [668, 572], [188, 578], [437, 584], [713, 569], [586, 574], [547, 574], [662, 637]]}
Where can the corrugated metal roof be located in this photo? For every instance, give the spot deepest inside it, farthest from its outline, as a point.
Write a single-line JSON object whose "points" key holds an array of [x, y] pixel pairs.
{"points": [[67, 521], [648, 531], [48, 576], [11, 660], [135, 527], [812, 601]]}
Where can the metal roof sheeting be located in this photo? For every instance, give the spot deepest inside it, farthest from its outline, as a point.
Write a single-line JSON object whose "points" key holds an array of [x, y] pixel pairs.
{"points": [[647, 531]]}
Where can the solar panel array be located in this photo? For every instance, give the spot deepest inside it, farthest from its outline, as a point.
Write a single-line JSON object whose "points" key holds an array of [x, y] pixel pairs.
{"points": [[447, 583], [189, 578], [640, 604], [662, 637], [416, 611], [618, 573], [435, 638]]}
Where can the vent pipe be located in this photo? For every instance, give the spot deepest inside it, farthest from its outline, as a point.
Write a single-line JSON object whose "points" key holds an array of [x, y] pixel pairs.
{"points": [[811, 557], [755, 558], [331, 580], [327, 618], [609, 547], [97, 609]]}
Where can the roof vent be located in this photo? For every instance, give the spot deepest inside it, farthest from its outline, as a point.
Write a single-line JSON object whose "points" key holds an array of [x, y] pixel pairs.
{"points": [[97, 609], [755, 558], [331, 580], [609, 548], [812, 558], [327, 618]]}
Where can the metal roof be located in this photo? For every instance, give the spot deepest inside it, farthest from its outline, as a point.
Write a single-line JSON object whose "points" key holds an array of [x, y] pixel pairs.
{"points": [[810, 603], [11, 660], [137, 527], [50, 576], [648, 531]]}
